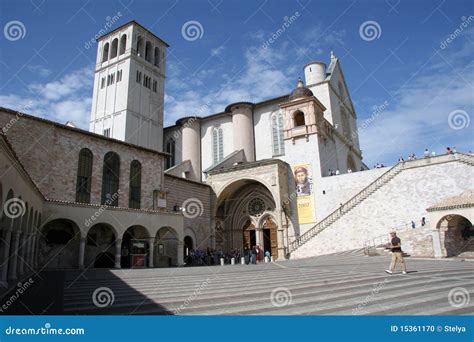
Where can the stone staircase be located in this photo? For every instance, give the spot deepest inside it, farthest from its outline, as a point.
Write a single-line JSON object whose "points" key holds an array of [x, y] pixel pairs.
{"points": [[346, 207], [325, 285], [370, 189]]}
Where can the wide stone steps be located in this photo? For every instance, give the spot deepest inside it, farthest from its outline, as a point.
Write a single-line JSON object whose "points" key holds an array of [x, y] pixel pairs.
{"points": [[331, 284]]}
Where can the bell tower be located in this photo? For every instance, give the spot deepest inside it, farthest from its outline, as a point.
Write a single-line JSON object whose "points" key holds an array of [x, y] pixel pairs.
{"points": [[128, 96]]}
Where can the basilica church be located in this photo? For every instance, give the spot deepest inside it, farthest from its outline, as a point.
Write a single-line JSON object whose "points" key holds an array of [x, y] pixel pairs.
{"points": [[285, 173]]}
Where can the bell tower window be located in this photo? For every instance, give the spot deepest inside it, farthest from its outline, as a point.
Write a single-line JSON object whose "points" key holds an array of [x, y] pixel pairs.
{"points": [[298, 118]]}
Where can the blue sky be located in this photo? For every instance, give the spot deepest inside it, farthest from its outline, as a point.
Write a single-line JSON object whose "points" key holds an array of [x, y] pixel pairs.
{"points": [[411, 88]]}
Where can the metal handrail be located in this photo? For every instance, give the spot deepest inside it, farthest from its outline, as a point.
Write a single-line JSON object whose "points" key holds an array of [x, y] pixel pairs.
{"points": [[382, 179]]}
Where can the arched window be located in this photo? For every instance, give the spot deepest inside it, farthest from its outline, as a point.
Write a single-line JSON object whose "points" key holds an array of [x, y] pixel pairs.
{"points": [[105, 53], [135, 184], [110, 179], [123, 44], [157, 57], [298, 118], [170, 148], [277, 134], [217, 145], [140, 46], [84, 176], [114, 49], [148, 51]]}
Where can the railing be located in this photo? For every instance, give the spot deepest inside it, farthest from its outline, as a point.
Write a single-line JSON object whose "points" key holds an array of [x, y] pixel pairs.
{"points": [[364, 193], [336, 214], [381, 239]]}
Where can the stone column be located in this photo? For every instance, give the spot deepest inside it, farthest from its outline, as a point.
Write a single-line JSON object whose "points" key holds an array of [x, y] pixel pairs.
{"points": [[259, 236], [151, 251], [12, 265], [82, 251], [180, 253], [36, 251], [281, 246], [6, 251], [118, 253], [21, 253], [31, 250]]}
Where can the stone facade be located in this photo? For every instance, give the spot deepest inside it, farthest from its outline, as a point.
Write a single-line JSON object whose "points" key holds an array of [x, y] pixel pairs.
{"points": [[52, 159]]}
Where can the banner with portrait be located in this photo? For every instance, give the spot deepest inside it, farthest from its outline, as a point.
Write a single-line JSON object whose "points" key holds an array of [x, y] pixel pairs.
{"points": [[304, 193]]}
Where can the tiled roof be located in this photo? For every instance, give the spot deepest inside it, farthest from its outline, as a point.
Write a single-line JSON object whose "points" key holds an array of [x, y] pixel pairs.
{"points": [[464, 200]]}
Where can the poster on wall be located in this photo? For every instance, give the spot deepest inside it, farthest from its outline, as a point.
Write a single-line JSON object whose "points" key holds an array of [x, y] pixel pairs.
{"points": [[304, 192]]}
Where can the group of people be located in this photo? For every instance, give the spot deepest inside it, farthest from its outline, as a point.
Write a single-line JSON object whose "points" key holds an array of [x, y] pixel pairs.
{"points": [[428, 154], [255, 254], [423, 223], [209, 257]]}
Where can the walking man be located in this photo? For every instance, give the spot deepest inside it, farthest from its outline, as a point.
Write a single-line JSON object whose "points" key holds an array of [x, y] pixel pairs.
{"points": [[396, 247]]}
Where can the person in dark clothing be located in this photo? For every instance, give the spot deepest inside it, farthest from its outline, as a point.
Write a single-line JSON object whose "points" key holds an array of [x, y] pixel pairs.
{"points": [[247, 255], [397, 255], [254, 255]]}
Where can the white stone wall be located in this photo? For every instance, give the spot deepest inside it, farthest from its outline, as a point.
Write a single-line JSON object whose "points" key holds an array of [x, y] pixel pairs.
{"points": [[263, 131], [402, 199], [341, 188], [225, 122]]}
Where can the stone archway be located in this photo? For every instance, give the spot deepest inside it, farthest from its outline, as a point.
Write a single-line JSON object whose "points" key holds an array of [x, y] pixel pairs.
{"points": [[166, 247], [59, 244], [457, 236], [135, 247], [240, 208], [100, 246]]}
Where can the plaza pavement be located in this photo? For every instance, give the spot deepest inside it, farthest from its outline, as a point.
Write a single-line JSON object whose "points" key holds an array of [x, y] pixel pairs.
{"points": [[343, 284]]}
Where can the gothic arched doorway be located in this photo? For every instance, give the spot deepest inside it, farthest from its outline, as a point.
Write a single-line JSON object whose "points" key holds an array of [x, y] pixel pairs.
{"points": [[242, 207], [249, 236], [269, 229]]}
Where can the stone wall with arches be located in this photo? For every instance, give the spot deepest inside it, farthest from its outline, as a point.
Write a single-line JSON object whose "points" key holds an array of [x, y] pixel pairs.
{"points": [[21, 214]]}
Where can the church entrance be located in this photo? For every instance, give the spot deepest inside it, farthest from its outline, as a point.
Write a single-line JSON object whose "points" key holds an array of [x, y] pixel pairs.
{"points": [[249, 238], [270, 237]]}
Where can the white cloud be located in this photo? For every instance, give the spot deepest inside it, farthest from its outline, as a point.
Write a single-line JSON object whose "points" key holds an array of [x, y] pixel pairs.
{"points": [[417, 117], [78, 80], [62, 100], [39, 70]]}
